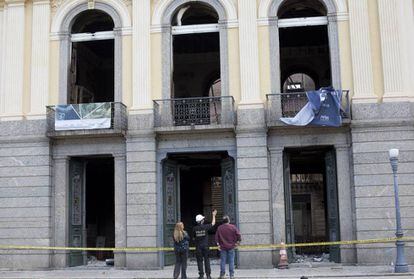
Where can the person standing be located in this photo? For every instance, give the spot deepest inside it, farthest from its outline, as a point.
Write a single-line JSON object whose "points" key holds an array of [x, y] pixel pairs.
{"points": [[181, 243], [227, 238], [201, 242]]}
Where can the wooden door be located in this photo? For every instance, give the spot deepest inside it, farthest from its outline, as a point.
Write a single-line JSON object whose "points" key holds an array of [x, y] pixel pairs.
{"points": [[171, 206], [332, 204], [229, 189], [289, 224], [77, 211]]}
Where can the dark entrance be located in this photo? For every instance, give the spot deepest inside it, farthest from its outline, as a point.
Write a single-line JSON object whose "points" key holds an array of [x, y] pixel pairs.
{"points": [[197, 183], [311, 199], [92, 208]]}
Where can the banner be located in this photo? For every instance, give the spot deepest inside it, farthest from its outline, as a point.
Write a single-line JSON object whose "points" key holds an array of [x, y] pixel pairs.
{"points": [[323, 109], [83, 116]]}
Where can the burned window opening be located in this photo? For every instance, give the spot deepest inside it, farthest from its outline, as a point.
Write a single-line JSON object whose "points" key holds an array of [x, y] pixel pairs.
{"points": [[301, 8], [197, 13], [92, 69], [92, 21], [305, 50]]}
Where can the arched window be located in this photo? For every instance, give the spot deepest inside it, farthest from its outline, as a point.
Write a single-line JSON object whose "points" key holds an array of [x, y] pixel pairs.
{"points": [[196, 49], [92, 69], [304, 43]]}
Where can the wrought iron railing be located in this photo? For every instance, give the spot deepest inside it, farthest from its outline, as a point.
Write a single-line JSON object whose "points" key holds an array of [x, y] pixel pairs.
{"points": [[90, 117], [289, 104], [194, 111]]}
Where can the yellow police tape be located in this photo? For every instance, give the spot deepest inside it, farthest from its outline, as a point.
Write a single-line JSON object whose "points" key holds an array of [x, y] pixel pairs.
{"points": [[241, 247]]}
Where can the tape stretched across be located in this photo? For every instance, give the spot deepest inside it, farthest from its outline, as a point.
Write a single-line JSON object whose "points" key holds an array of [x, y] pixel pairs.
{"points": [[241, 247]]}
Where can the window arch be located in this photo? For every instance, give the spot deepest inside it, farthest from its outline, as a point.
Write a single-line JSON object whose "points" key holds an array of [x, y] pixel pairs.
{"points": [[91, 74], [94, 34], [304, 35]]}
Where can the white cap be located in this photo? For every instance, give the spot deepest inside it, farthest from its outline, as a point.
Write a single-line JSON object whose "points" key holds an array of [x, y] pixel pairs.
{"points": [[199, 218]]}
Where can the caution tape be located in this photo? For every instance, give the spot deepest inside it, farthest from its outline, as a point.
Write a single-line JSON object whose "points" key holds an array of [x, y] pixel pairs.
{"points": [[241, 247]]}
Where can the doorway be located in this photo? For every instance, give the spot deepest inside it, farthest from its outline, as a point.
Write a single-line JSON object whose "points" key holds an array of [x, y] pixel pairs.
{"points": [[197, 183], [92, 209], [311, 203]]}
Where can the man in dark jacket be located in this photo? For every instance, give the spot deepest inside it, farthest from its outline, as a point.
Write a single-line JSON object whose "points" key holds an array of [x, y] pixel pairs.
{"points": [[227, 238], [201, 242]]}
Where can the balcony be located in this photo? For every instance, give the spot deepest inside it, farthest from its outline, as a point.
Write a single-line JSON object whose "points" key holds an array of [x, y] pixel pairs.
{"points": [[194, 113], [289, 104], [88, 119]]}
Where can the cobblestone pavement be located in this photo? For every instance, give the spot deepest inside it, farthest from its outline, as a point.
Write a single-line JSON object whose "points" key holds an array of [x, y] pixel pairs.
{"points": [[296, 271]]}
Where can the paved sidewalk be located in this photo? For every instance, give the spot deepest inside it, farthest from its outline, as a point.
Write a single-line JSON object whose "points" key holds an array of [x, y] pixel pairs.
{"points": [[322, 271]]}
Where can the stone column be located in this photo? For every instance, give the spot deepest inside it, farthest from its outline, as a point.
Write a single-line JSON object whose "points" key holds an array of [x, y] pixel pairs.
{"points": [[254, 197], [14, 60], [120, 208], [278, 195], [361, 52], [392, 21], [60, 210], [142, 228], [2, 27], [141, 53], [249, 52], [345, 204], [39, 89]]}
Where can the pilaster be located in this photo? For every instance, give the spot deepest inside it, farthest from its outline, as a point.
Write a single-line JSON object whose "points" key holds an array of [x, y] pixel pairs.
{"points": [[120, 209], [277, 195], [60, 210], [249, 52], [141, 50], [396, 77], [39, 88], [12, 82], [361, 52], [2, 27], [345, 201], [141, 173]]}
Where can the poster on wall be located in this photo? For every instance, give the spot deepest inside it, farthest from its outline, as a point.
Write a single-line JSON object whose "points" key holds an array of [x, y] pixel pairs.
{"points": [[83, 116]]}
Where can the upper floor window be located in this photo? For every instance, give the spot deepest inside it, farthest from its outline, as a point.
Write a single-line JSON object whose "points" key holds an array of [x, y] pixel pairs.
{"points": [[196, 50], [91, 75], [305, 61]]}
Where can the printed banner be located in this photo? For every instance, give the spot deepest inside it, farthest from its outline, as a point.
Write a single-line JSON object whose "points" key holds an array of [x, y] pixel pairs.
{"points": [[83, 116]]}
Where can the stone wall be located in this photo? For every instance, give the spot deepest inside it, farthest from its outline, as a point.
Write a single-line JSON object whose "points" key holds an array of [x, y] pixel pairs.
{"points": [[375, 130], [25, 193]]}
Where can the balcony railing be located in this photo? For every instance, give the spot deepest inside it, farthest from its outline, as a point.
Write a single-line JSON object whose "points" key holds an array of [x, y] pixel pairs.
{"points": [[213, 111], [289, 104], [86, 119]]}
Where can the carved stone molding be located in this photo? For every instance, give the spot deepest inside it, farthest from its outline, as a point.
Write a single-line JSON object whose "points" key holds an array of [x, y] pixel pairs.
{"points": [[55, 4]]}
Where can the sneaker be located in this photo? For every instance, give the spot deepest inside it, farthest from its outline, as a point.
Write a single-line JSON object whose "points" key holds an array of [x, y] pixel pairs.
{"points": [[208, 277]]}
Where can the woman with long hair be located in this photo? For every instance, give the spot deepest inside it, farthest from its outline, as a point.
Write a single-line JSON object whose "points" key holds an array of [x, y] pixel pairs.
{"points": [[181, 242]]}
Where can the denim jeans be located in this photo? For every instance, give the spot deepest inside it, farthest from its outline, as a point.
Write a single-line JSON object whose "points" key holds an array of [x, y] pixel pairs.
{"points": [[224, 256]]}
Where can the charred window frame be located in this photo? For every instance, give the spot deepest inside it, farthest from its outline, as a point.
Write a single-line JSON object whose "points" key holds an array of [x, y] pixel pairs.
{"points": [[66, 38], [319, 13], [170, 28]]}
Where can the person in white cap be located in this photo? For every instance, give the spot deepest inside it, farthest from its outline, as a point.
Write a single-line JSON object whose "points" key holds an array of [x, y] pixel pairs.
{"points": [[201, 242]]}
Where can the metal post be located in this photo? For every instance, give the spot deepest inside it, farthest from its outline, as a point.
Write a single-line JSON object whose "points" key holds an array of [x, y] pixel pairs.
{"points": [[400, 265]]}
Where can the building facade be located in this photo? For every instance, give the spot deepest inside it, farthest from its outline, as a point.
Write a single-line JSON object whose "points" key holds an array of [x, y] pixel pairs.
{"points": [[119, 118]]}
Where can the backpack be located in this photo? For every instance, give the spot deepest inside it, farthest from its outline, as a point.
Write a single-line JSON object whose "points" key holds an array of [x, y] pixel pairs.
{"points": [[183, 244]]}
